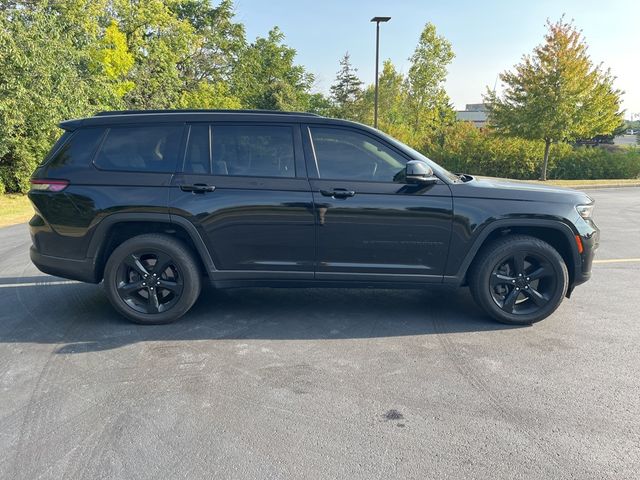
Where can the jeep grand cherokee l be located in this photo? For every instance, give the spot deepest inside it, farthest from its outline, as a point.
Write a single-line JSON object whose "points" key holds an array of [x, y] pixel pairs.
{"points": [[152, 203]]}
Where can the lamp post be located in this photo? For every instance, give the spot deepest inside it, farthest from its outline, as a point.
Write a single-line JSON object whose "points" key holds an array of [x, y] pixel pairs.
{"points": [[378, 20]]}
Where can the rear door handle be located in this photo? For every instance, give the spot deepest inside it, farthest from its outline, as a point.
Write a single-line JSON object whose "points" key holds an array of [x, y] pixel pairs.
{"points": [[197, 188], [338, 193]]}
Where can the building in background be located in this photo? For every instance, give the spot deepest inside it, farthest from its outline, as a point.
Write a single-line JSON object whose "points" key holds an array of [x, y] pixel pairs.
{"points": [[475, 113]]}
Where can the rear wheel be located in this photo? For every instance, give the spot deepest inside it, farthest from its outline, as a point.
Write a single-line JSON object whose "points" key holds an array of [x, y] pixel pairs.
{"points": [[152, 279], [519, 279]]}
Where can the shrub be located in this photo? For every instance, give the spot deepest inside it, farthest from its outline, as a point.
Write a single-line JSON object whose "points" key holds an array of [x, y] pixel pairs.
{"points": [[593, 163], [481, 152]]}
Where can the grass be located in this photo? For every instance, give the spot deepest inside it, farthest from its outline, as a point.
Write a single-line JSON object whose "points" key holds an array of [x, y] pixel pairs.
{"points": [[14, 209]]}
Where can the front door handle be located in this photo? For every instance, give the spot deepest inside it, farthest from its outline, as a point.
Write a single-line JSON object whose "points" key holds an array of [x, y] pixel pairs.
{"points": [[338, 193], [197, 188]]}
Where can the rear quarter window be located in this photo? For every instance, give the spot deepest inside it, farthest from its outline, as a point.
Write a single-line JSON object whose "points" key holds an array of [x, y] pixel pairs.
{"points": [[74, 148], [146, 148]]}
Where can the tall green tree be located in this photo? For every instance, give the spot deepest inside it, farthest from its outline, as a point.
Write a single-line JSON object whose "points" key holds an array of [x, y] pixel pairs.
{"points": [[556, 94], [217, 44], [266, 76], [347, 90], [43, 80], [428, 106], [392, 102]]}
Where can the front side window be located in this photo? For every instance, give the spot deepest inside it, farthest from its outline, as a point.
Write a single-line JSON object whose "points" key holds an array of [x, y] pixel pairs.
{"points": [[348, 155], [147, 148], [252, 150]]}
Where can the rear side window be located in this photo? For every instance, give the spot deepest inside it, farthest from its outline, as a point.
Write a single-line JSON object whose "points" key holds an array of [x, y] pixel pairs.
{"points": [[147, 148], [75, 148], [253, 150]]}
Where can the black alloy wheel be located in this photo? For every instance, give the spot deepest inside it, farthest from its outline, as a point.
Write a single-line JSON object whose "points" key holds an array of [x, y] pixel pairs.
{"points": [[523, 283], [149, 281], [518, 279], [152, 278]]}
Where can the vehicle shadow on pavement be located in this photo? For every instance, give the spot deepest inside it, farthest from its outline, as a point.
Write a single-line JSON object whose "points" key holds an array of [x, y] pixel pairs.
{"points": [[78, 317]]}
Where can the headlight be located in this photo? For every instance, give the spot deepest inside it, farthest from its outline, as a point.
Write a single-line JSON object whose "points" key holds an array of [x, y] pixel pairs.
{"points": [[585, 211]]}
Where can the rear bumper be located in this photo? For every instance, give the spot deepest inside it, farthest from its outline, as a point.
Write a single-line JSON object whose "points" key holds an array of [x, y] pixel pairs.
{"points": [[83, 270]]}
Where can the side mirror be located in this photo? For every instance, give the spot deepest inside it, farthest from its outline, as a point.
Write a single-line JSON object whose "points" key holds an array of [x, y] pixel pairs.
{"points": [[418, 172]]}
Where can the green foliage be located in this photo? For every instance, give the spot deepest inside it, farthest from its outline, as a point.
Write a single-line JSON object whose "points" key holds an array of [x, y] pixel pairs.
{"points": [[346, 92], [112, 59], [321, 105], [427, 101], [43, 80], [70, 58], [413, 108], [481, 152], [556, 94], [209, 95], [595, 163], [267, 78]]}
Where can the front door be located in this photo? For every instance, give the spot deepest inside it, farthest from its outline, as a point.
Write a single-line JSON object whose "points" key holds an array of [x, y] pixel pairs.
{"points": [[244, 186], [371, 226]]}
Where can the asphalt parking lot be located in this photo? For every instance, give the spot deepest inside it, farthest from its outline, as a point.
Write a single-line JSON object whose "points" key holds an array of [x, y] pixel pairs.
{"points": [[349, 384]]}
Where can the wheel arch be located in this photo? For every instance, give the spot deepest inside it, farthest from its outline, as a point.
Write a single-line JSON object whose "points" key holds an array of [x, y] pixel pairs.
{"points": [[557, 234], [118, 227]]}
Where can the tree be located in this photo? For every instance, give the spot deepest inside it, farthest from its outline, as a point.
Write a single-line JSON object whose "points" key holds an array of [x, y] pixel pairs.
{"points": [[112, 59], [556, 94], [43, 80], [320, 105], [266, 76], [346, 91], [428, 106], [392, 102]]}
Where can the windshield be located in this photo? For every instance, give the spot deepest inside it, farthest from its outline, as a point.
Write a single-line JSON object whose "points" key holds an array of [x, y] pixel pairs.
{"points": [[439, 171]]}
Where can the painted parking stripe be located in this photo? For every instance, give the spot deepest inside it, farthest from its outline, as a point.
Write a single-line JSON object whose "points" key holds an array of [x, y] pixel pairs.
{"points": [[618, 260], [38, 284]]}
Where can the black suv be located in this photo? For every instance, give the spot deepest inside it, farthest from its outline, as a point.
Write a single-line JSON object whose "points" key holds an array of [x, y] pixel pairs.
{"points": [[152, 202]]}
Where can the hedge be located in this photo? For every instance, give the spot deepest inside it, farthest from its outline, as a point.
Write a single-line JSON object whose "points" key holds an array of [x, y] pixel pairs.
{"points": [[470, 150]]}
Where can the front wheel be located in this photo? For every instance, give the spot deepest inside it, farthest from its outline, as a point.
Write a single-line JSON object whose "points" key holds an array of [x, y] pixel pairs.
{"points": [[519, 280], [152, 279]]}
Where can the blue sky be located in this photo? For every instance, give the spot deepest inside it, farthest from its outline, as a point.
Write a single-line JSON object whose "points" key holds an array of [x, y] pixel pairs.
{"points": [[487, 36]]}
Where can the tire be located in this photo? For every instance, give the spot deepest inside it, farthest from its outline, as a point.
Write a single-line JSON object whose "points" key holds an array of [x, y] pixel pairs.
{"points": [[158, 299], [518, 279]]}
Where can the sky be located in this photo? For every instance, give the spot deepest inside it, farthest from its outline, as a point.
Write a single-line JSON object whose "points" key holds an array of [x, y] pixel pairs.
{"points": [[488, 37]]}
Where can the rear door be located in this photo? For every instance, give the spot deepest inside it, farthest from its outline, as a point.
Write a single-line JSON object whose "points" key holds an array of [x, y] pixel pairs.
{"points": [[244, 186], [371, 224], [111, 169]]}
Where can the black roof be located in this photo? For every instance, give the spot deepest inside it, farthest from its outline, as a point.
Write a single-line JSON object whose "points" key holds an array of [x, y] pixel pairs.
{"points": [[154, 116], [199, 110]]}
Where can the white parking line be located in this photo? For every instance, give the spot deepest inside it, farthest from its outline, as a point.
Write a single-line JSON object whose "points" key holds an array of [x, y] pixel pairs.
{"points": [[43, 284], [618, 260]]}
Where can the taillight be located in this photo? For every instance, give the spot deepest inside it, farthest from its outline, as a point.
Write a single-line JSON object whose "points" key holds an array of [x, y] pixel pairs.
{"points": [[49, 185]]}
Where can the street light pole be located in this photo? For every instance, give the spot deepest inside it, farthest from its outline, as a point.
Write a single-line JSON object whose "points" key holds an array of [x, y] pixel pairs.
{"points": [[378, 20]]}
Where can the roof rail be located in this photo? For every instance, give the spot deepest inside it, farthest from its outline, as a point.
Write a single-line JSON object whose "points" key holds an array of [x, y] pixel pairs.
{"points": [[144, 112]]}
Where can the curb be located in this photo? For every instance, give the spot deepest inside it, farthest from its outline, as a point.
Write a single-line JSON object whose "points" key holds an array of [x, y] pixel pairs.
{"points": [[599, 187], [576, 186]]}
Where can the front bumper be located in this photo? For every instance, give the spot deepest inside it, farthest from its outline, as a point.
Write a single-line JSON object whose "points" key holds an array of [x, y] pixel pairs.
{"points": [[590, 243]]}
